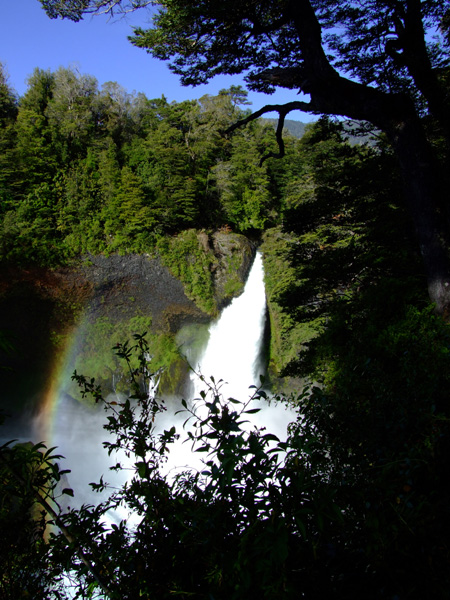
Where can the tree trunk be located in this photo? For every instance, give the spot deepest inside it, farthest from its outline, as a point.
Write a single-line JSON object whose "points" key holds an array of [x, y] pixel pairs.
{"points": [[395, 114], [424, 200], [423, 178]]}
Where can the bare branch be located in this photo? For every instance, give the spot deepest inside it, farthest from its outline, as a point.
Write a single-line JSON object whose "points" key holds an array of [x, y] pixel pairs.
{"points": [[75, 10], [280, 141], [118, 7], [282, 110]]}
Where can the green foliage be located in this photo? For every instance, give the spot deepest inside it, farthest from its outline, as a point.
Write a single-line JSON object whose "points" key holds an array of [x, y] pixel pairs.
{"points": [[244, 185], [187, 260], [385, 409], [95, 354], [253, 522], [8, 114], [345, 292], [343, 248], [288, 335], [29, 477], [101, 171], [128, 217]]}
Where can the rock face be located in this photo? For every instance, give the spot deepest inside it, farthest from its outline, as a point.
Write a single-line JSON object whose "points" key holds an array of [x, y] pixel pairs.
{"points": [[121, 286], [125, 285], [235, 255], [38, 307]]}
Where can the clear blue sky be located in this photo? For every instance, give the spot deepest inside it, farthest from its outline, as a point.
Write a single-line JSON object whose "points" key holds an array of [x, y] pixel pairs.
{"points": [[98, 47]]}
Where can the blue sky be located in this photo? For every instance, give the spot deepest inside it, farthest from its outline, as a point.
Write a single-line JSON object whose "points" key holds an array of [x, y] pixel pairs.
{"points": [[98, 47]]}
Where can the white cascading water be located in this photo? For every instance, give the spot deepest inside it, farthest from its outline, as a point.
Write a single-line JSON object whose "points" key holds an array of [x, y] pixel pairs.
{"points": [[233, 351], [234, 356]]}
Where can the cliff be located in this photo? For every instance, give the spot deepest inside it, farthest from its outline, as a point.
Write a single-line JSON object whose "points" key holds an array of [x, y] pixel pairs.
{"points": [[114, 297]]}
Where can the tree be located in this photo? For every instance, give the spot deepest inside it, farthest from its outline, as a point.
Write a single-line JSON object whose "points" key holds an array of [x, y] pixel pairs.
{"points": [[129, 218], [71, 112], [382, 62], [35, 153], [114, 111], [8, 113], [243, 184], [8, 100]]}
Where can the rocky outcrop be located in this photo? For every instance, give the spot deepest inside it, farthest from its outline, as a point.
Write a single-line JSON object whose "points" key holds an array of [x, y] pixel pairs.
{"points": [[38, 306], [212, 266], [123, 286], [235, 255]]}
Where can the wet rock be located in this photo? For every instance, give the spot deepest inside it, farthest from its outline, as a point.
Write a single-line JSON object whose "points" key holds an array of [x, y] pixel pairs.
{"points": [[235, 255], [123, 286]]}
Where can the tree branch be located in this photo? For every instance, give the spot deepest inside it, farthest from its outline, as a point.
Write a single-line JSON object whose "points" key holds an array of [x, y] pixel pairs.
{"points": [[72, 539], [120, 7], [76, 10], [280, 141], [282, 110]]}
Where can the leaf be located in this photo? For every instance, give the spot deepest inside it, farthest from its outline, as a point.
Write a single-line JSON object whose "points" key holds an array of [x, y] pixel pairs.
{"points": [[68, 492], [270, 437], [234, 401], [91, 588], [141, 469], [204, 448]]}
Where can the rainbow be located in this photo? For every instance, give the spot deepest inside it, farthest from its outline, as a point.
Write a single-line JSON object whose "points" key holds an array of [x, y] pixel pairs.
{"points": [[60, 374]]}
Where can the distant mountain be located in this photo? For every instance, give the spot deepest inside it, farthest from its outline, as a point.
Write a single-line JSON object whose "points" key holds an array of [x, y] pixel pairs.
{"points": [[297, 129]]}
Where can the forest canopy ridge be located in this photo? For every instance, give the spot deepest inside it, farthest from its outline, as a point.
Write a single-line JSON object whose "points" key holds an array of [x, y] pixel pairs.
{"points": [[380, 62]]}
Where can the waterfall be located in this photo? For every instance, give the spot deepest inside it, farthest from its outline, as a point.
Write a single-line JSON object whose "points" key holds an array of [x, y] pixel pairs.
{"points": [[233, 353], [234, 349]]}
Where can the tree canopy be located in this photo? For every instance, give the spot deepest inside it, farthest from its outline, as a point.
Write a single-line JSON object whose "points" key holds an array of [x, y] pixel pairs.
{"points": [[85, 169], [383, 62], [310, 46]]}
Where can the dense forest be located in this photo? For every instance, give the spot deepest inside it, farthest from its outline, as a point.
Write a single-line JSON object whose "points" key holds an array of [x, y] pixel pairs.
{"points": [[355, 502], [88, 170]]}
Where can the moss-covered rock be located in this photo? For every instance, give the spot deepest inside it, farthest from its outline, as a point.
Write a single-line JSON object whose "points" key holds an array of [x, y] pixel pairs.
{"points": [[212, 266], [287, 336], [234, 253]]}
